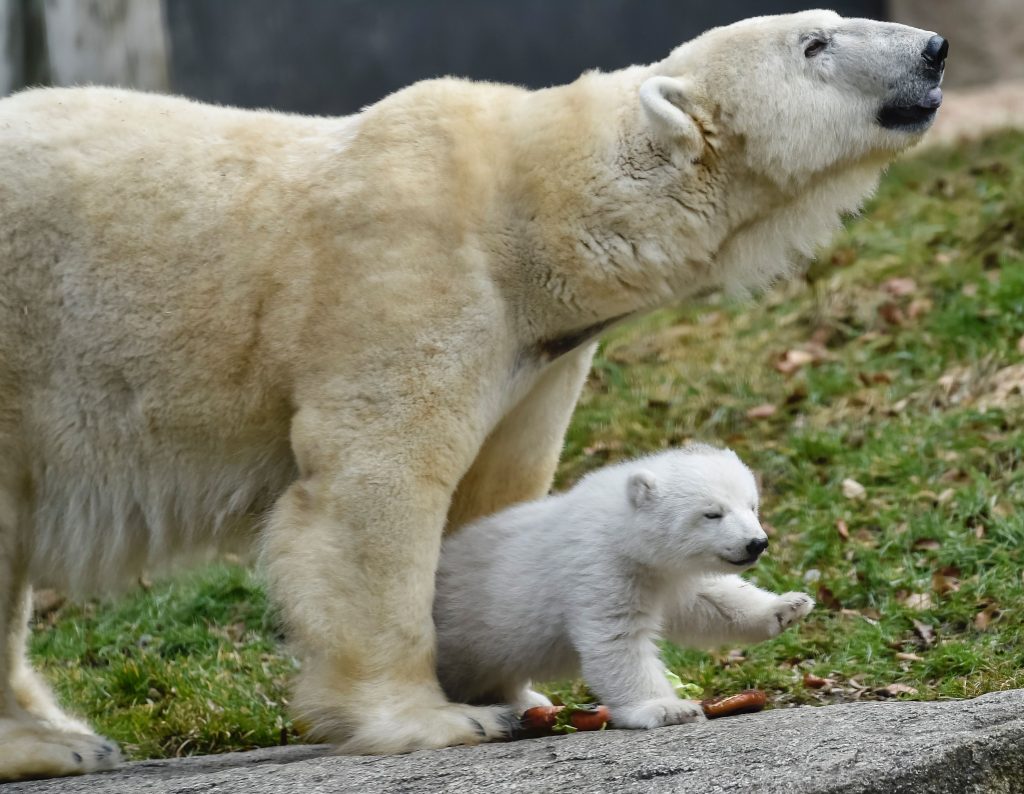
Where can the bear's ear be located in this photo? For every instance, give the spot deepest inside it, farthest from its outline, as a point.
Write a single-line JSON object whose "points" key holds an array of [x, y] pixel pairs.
{"points": [[641, 487], [669, 110]]}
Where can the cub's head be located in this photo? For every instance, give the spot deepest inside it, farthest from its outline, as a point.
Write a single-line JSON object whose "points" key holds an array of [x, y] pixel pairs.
{"points": [[800, 93], [696, 508]]}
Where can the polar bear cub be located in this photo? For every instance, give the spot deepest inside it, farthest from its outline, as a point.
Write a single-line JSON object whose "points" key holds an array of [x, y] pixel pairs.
{"points": [[587, 581]]}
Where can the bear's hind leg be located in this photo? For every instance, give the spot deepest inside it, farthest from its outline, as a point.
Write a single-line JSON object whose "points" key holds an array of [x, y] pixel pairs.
{"points": [[36, 738]]}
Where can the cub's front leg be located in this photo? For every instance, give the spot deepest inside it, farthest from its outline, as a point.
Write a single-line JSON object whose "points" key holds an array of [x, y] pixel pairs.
{"points": [[622, 666], [728, 610]]}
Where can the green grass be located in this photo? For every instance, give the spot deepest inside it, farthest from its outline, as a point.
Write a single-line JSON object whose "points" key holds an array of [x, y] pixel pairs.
{"points": [[908, 394]]}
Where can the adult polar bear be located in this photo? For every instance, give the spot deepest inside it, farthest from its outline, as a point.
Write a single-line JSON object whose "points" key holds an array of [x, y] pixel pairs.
{"points": [[376, 324]]}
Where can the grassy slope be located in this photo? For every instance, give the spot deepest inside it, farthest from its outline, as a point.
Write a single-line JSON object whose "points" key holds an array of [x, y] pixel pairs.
{"points": [[908, 394]]}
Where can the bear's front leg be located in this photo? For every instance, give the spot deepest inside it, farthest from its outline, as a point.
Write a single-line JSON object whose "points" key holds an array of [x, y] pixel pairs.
{"points": [[728, 610], [351, 552], [622, 666]]}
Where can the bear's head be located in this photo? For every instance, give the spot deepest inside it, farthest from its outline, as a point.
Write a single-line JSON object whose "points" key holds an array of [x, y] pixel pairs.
{"points": [[799, 94], [695, 509]]}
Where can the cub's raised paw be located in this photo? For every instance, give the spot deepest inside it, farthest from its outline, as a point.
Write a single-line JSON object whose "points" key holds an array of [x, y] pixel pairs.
{"points": [[657, 713], [792, 607], [32, 750]]}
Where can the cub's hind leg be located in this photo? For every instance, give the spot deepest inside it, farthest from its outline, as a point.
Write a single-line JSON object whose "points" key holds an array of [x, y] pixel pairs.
{"points": [[36, 738]]}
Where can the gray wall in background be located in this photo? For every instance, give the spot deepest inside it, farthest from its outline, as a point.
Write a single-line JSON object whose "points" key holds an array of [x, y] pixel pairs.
{"points": [[335, 56]]}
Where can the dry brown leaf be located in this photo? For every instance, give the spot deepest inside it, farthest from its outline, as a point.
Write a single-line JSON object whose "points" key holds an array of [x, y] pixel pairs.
{"points": [[954, 475], [918, 601], [792, 360], [1007, 385], [924, 631], [909, 657], [919, 307], [828, 599], [842, 529], [979, 532], [853, 489], [892, 314], [926, 544], [895, 689], [943, 584], [762, 411], [900, 287], [985, 617]]}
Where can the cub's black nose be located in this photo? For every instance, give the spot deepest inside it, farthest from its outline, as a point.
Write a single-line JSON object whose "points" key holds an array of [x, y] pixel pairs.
{"points": [[755, 547], [935, 52]]}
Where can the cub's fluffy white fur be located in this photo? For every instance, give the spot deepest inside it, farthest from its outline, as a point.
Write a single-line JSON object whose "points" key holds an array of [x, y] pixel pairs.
{"points": [[587, 581]]}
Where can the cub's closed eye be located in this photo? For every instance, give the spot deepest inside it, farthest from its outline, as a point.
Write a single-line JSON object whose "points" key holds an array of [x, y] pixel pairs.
{"points": [[712, 516], [814, 46]]}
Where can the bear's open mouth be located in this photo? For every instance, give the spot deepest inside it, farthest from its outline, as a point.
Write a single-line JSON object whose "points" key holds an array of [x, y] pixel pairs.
{"points": [[911, 117]]}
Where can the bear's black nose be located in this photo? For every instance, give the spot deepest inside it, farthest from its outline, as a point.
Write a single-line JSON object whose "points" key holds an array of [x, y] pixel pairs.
{"points": [[755, 547], [935, 52]]}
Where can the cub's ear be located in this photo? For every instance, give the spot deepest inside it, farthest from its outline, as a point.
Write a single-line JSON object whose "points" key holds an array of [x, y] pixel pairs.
{"points": [[669, 110], [642, 488]]}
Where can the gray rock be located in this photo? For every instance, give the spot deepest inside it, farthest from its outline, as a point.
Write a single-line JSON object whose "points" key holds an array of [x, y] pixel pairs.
{"points": [[945, 747]]}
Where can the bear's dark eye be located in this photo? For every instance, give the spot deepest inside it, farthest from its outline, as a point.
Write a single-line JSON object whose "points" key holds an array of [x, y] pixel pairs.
{"points": [[814, 46], [712, 516]]}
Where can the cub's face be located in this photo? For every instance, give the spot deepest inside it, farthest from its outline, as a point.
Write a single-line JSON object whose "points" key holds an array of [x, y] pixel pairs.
{"points": [[700, 514], [804, 93]]}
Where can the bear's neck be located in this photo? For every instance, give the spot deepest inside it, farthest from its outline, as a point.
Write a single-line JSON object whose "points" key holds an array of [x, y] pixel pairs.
{"points": [[607, 224]]}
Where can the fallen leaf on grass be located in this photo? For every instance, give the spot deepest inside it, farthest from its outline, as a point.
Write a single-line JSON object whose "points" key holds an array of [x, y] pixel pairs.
{"points": [[842, 529], [926, 544], [892, 313], [893, 690], [792, 360], [900, 287], [761, 411], [919, 307], [853, 489], [602, 448], [828, 599], [985, 617], [924, 631], [813, 681], [1007, 385], [909, 657], [917, 601], [943, 583], [869, 378]]}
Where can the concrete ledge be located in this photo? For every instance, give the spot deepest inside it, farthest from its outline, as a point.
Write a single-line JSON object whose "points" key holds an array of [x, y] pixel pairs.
{"points": [[891, 748]]}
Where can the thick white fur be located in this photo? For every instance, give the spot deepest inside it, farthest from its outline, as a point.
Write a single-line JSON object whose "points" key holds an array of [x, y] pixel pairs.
{"points": [[377, 325], [589, 579]]}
